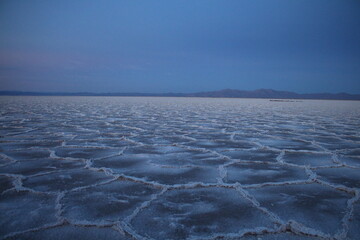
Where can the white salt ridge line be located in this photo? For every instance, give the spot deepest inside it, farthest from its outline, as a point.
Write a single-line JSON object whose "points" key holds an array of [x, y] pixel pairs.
{"points": [[7, 164], [123, 177], [262, 146], [144, 205], [223, 174], [346, 151], [304, 151], [7, 158], [86, 223], [351, 166], [337, 186], [107, 171], [188, 138], [334, 156], [176, 166], [311, 174], [46, 173], [132, 233], [335, 159], [284, 183], [54, 156], [316, 144], [91, 185], [86, 129], [273, 217], [232, 136], [90, 147], [58, 206], [204, 150], [118, 229], [18, 184], [121, 152], [326, 166], [193, 184], [20, 133], [133, 128], [279, 158], [223, 170], [242, 149], [344, 164], [198, 185], [346, 220], [299, 229], [133, 141]]}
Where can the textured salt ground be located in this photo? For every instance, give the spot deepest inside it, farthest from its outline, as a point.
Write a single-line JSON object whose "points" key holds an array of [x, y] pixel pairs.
{"points": [[354, 224], [313, 205], [255, 173], [349, 177], [262, 155], [5, 183], [309, 159], [64, 180], [111, 202], [43, 166], [25, 210], [198, 212], [174, 168], [70, 232]]}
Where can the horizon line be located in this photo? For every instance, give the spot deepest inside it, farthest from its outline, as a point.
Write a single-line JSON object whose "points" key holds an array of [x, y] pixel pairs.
{"points": [[224, 93]]}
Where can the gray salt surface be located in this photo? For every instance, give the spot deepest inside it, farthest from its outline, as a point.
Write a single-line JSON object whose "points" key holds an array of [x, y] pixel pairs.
{"points": [[177, 168]]}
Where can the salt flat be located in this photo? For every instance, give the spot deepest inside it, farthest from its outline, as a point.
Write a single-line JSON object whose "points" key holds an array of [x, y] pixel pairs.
{"points": [[178, 168]]}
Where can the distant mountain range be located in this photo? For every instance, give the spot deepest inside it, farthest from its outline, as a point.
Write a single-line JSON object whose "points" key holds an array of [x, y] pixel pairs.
{"points": [[225, 93]]}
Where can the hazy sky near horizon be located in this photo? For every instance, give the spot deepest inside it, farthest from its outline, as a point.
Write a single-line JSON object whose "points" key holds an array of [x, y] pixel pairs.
{"points": [[180, 45]]}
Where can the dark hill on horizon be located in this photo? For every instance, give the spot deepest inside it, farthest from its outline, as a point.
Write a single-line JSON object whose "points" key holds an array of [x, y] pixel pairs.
{"points": [[270, 93], [225, 93]]}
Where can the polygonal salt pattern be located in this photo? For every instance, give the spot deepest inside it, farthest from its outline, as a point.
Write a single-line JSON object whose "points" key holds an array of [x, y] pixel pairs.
{"points": [[105, 203], [182, 214], [178, 168], [312, 205]]}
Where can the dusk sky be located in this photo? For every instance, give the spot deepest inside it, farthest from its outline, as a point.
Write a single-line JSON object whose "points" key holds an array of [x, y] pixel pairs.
{"points": [[180, 45]]}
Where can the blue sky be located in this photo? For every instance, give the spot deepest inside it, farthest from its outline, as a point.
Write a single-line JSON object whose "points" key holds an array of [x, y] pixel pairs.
{"points": [[180, 45]]}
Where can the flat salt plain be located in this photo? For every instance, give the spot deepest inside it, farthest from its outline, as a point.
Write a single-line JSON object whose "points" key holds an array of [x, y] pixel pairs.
{"points": [[178, 168]]}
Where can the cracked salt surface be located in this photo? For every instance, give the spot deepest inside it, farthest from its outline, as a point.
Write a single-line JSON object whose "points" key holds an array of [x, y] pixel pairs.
{"points": [[177, 168]]}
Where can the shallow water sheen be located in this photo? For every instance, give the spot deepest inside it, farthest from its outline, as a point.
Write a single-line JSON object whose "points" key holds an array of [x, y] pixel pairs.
{"points": [[178, 168]]}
